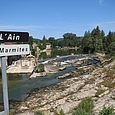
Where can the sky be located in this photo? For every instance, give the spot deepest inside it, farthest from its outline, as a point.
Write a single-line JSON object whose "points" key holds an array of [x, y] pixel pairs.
{"points": [[54, 18]]}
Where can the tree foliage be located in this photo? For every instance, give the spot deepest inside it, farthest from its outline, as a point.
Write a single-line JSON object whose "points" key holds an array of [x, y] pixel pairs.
{"points": [[71, 40], [96, 41], [92, 41], [52, 41], [31, 41], [42, 44]]}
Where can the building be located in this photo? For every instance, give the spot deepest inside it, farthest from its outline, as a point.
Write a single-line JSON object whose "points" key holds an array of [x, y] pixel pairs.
{"points": [[35, 46], [48, 46]]}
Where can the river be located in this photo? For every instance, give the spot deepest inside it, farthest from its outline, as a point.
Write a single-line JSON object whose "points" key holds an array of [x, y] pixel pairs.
{"points": [[20, 84]]}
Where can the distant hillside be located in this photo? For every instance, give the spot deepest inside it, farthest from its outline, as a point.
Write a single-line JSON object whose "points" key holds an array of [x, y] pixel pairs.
{"points": [[36, 39]]}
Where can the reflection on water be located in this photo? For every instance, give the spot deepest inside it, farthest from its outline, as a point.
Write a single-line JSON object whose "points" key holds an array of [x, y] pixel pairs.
{"points": [[54, 53]]}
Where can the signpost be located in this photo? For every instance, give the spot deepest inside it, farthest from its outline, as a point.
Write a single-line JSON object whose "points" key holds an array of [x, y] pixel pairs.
{"points": [[8, 50]]}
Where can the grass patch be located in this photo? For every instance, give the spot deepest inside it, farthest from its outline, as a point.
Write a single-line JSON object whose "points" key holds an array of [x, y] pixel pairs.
{"points": [[57, 113], [108, 80], [99, 91], [107, 111], [38, 113], [60, 113], [80, 71], [85, 107], [12, 112], [89, 81]]}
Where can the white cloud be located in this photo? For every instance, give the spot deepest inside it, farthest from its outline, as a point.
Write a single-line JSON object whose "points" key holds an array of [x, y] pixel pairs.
{"points": [[28, 27], [100, 24], [17, 27]]}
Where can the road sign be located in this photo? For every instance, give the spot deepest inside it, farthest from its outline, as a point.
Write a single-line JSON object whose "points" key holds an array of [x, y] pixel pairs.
{"points": [[9, 50], [7, 36], [17, 49]]}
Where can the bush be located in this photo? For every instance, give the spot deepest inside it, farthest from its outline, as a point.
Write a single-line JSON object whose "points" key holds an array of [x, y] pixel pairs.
{"points": [[107, 111], [60, 113], [39, 68], [85, 107], [81, 111], [86, 104], [99, 91], [38, 113]]}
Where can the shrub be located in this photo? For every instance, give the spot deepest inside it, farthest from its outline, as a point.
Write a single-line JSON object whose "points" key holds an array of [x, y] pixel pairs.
{"points": [[107, 111], [61, 112], [39, 68], [86, 104], [38, 113], [85, 107], [81, 111], [99, 91]]}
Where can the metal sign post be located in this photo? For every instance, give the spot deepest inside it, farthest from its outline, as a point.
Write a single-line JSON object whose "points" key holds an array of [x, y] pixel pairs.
{"points": [[5, 88]]}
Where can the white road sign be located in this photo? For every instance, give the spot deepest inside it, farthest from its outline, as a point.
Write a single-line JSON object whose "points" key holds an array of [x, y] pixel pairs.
{"points": [[18, 49]]}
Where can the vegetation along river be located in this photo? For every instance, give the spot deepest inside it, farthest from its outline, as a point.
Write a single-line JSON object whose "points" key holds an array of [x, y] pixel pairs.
{"points": [[20, 84]]}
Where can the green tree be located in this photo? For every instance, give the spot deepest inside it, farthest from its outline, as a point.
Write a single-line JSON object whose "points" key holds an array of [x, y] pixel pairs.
{"points": [[87, 43], [31, 41], [109, 42], [44, 40], [99, 45], [113, 37], [61, 43], [96, 36], [93, 42], [42, 45], [52, 41], [69, 39], [102, 33], [109, 38], [111, 49]]}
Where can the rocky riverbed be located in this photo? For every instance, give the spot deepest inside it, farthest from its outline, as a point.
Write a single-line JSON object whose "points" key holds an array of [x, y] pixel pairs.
{"points": [[98, 84]]}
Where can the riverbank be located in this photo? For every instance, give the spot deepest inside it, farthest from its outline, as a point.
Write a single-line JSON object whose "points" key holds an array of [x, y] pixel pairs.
{"points": [[68, 94]]}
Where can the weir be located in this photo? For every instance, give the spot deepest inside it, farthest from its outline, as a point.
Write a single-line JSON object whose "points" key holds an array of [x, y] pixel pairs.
{"points": [[20, 84]]}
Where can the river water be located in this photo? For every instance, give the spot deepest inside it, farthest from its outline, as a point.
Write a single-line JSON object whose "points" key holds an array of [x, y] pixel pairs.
{"points": [[20, 84]]}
